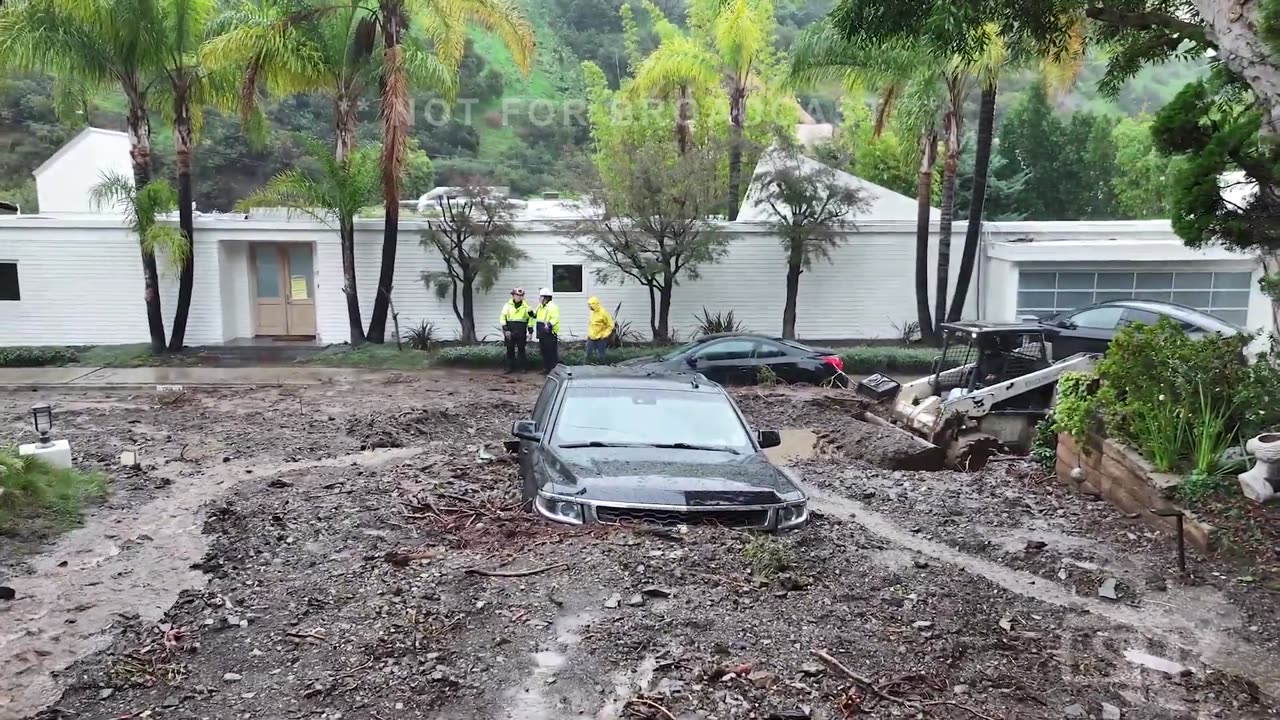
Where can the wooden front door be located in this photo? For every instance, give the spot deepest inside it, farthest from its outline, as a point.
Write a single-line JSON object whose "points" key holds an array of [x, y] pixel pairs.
{"points": [[284, 290]]}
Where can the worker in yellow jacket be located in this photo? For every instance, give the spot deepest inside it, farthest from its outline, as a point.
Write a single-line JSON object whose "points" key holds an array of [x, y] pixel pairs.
{"points": [[515, 322], [545, 323], [599, 328]]}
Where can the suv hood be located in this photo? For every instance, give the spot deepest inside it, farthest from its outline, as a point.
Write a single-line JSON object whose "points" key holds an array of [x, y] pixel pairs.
{"points": [[662, 477]]}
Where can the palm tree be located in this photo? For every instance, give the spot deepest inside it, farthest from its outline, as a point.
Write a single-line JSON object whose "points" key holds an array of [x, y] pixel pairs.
{"points": [[294, 46], [1060, 70], [740, 34], [677, 70], [92, 45], [440, 25], [142, 210], [337, 191], [907, 86], [189, 85], [940, 85]]}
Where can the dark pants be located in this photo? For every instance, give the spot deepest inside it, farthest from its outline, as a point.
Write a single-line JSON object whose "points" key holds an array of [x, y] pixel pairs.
{"points": [[515, 341], [549, 344], [596, 348]]}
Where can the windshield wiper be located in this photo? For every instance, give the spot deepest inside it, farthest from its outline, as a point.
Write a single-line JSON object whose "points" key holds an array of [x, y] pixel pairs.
{"points": [[690, 446], [663, 446]]}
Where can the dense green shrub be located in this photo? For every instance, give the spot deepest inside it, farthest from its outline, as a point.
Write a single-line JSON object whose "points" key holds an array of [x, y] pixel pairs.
{"points": [[36, 356], [495, 356], [1183, 401], [33, 490], [869, 359], [857, 360], [1074, 405]]}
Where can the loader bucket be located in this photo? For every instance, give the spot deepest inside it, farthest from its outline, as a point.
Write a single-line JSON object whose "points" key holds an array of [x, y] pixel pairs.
{"points": [[912, 453]]}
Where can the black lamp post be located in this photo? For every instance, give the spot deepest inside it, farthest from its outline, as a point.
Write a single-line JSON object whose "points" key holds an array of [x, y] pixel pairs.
{"points": [[42, 417]]}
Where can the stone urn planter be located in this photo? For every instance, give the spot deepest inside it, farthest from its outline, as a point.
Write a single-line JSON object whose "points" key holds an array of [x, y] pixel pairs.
{"points": [[1261, 483]]}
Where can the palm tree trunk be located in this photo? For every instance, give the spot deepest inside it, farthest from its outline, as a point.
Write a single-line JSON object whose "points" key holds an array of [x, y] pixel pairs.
{"points": [[347, 235], [345, 132], [924, 192], [182, 145], [737, 119], [950, 164], [395, 121], [140, 155], [981, 166], [795, 266], [344, 121], [682, 119]]}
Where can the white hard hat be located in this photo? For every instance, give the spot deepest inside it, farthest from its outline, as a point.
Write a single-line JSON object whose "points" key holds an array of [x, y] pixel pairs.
{"points": [[545, 292]]}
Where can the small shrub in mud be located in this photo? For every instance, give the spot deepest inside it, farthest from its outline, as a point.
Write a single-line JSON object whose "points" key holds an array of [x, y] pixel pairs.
{"points": [[767, 556], [32, 491], [766, 377]]}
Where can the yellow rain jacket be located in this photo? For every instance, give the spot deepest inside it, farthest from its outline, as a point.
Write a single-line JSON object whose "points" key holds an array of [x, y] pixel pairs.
{"points": [[600, 326]]}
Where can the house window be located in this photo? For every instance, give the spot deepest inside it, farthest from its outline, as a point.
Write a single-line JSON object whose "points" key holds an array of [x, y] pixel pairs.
{"points": [[1224, 294], [9, 282], [566, 279]]}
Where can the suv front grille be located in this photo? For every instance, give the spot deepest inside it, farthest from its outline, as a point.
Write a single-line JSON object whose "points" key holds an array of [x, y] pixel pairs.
{"points": [[640, 516]]}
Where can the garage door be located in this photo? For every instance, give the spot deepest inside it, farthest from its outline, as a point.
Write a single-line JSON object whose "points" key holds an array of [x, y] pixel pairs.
{"points": [[1224, 294]]}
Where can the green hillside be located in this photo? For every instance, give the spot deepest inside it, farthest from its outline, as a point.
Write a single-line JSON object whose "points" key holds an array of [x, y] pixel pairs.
{"points": [[507, 129]]}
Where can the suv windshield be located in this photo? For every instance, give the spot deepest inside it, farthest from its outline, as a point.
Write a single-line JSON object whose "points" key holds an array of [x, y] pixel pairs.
{"points": [[649, 417]]}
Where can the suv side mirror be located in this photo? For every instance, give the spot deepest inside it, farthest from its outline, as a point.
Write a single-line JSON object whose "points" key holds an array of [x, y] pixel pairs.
{"points": [[691, 361], [526, 430], [768, 438]]}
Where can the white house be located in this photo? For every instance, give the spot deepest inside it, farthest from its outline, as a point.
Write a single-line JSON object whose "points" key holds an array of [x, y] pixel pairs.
{"points": [[76, 278], [64, 180]]}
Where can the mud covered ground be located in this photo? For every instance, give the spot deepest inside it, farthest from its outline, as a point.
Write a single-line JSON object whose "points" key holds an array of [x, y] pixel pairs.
{"points": [[331, 553]]}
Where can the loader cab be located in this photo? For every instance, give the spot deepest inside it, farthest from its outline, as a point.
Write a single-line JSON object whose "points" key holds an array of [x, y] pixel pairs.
{"points": [[976, 355]]}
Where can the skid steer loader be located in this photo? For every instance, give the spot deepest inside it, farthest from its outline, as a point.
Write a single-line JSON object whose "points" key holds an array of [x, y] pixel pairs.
{"points": [[989, 388]]}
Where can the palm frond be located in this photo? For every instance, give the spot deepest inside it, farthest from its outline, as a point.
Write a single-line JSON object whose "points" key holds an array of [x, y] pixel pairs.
{"points": [[167, 242], [142, 209]]}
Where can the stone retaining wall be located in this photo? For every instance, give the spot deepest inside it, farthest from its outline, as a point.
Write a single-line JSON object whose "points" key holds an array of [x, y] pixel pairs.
{"points": [[1126, 480]]}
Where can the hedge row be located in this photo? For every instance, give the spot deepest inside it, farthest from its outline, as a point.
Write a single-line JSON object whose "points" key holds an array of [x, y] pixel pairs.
{"points": [[857, 360], [36, 356]]}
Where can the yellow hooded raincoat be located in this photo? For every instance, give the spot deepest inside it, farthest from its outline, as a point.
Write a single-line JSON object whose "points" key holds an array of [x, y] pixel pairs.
{"points": [[600, 325]]}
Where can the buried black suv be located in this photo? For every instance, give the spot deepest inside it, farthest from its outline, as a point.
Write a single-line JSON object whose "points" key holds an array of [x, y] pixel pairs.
{"points": [[624, 445]]}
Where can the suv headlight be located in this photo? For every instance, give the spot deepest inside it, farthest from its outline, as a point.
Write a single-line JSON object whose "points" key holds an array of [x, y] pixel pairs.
{"points": [[560, 510], [793, 515]]}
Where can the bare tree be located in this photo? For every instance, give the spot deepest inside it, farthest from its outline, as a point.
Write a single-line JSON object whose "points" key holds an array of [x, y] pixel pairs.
{"points": [[474, 236], [651, 221], [810, 207]]}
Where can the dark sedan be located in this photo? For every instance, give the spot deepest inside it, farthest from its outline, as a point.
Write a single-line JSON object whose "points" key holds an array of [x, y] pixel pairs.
{"points": [[737, 359], [1090, 329], [620, 445]]}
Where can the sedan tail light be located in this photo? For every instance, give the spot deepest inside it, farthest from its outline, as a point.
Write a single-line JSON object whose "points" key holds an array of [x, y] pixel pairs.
{"points": [[834, 361]]}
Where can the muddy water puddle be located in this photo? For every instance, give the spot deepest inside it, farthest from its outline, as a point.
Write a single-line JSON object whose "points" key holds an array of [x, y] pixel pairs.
{"points": [[798, 444], [121, 564]]}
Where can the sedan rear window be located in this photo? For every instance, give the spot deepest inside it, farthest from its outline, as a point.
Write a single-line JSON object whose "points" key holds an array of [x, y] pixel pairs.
{"points": [[649, 416]]}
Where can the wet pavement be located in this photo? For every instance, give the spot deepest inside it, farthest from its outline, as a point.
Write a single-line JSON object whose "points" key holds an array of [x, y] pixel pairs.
{"points": [[310, 552]]}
